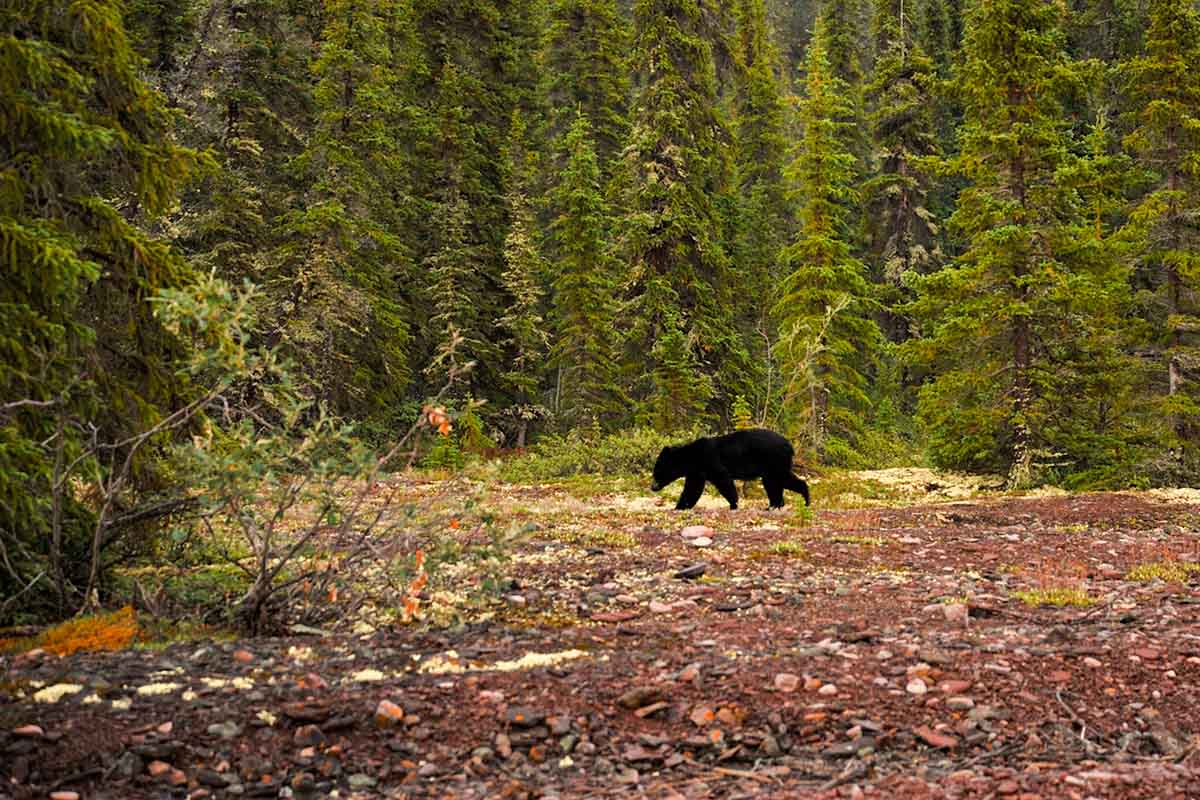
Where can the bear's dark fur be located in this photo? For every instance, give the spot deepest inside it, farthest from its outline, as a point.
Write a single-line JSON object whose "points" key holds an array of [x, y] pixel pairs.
{"points": [[720, 460]]}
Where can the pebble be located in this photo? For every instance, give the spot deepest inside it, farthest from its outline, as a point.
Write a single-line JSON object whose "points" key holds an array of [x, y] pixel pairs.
{"points": [[308, 735], [388, 714], [64, 795], [361, 780], [523, 717], [701, 541], [503, 745], [959, 703], [828, 689], [1094, 663], [30, 731], [787, 682], [697, 532], [640, 696], [692, 572], [226, 730], [956, 612], [659, 607], [916, 686]]}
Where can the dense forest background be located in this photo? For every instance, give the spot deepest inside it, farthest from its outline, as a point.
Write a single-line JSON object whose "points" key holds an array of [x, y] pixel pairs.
{"points": [[967, 233]]}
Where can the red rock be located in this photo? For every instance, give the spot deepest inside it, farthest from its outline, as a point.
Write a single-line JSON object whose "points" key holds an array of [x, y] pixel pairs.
{"points": [[165, 728], [1147, 653], [243, 656], [157, 768], [1008, 787], [954, 686], [935, 739], [388, 714], [702, 716], [177, 778], [29, 731], [1060, 676], [63, 795]]}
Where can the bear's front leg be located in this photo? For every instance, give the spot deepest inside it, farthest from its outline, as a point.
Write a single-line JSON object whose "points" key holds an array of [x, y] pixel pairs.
{"points": [[727, 489], [693, 487]]}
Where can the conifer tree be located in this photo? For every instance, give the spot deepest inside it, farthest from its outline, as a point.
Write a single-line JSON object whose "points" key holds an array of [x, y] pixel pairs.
{"points": [[339, 271], [585, 290], [903, 230], [586, 71], [1033, 296], [828, 337], [672, 228], [88, 163], [522, 324], [1165, 84]]}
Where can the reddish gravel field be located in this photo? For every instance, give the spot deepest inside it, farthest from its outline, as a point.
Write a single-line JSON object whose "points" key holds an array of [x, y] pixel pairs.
{"points": [[883, 652]]}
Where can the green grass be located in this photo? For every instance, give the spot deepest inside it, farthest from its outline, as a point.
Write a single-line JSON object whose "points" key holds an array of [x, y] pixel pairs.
{"points": [[863, 541]]}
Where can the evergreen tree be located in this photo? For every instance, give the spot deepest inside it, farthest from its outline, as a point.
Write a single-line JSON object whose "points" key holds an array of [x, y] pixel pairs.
{"points": [[903, 231], [473, 69], [1033, 297], [338, 274], [762, 219], [525, 337], [1165, 84], [586, 71], [88, 162], [829, 339], [671, 225], [585, 289]]}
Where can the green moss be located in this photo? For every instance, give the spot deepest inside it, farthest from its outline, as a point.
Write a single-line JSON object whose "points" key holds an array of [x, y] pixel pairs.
{"points": [[1169, 571], [1055, 597]]}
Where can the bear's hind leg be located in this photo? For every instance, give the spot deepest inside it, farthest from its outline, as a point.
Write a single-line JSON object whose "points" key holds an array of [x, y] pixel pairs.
{"points": [[693, 487], [774, 489], [797, 485]]}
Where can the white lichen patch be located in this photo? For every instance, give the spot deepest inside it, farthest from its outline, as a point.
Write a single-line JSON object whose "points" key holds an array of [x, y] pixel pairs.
{"points": [[221, 683], [52, 694], [366, 675], [450, 663], [300, 654], [267, 717], [167, 673], [188, 696], [153, 689], [122, 704], [537, 660], [91, 699]]}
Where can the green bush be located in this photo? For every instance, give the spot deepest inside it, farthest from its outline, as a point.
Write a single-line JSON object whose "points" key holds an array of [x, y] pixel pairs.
{"points": [[587, 452]]}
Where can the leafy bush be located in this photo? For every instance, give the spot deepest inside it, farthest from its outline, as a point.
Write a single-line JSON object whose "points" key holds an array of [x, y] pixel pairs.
{"points": [[587, 452]]}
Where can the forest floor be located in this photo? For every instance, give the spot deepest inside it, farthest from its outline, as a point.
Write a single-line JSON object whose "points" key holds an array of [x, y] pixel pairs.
{"points": [[902, 646]]}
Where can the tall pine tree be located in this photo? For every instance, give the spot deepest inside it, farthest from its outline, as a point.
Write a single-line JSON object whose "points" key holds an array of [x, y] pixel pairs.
{"points": [[1165, 84], [1032, 299], [585, 291], [902, 228], [829, 339], [680, 269]]}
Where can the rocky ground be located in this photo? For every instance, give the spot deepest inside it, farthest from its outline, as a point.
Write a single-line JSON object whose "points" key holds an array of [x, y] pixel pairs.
{"points": [[866, 652]]}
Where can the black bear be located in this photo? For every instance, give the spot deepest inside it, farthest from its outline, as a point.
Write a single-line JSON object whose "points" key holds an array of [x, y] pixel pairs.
{"points": [[721, 460]]}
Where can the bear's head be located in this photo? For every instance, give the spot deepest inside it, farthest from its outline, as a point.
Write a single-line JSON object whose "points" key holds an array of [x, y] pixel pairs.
{"points": [[667, 468]]}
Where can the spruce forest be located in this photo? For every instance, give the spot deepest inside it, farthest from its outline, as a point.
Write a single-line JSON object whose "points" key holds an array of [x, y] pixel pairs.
{"points": [[342, 340]]}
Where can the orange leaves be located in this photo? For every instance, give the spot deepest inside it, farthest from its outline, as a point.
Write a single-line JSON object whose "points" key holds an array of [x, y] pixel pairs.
{"points": [[438, 419], [411, 604]]}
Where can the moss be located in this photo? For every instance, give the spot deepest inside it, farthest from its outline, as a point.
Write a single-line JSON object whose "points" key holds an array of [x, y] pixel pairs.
{"points": [[1055, 597], [113, 631], [594, 537], [787, 548], [1169, 571]]}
